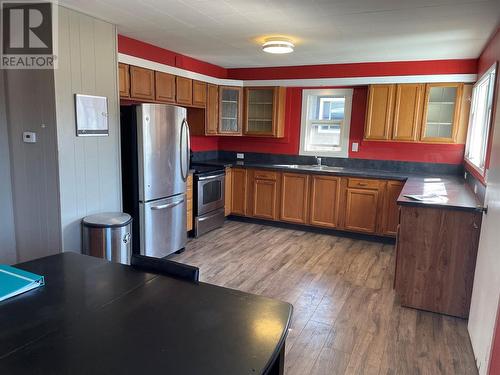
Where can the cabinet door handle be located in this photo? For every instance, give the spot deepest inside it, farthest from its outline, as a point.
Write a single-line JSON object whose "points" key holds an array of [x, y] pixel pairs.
{"points": [[475, 226]]}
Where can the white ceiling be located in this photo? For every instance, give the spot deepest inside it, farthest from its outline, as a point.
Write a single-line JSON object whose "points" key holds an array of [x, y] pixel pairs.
{"points": [[227, 32]]}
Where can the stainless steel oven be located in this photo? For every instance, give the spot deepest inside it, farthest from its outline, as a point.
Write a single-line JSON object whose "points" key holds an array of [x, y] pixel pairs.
{"points": [[209, 198]]}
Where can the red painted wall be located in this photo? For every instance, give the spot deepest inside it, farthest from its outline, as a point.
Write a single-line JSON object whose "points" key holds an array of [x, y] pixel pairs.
{"points": [[452, 154], [134, 47], [373, 69]]}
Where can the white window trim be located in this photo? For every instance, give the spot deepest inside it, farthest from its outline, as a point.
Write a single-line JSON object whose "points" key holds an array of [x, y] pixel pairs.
{"points": [[344, 138], [482, 168]]}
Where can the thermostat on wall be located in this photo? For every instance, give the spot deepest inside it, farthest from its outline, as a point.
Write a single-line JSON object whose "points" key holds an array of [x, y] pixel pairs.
{"points": [[29, 137]]}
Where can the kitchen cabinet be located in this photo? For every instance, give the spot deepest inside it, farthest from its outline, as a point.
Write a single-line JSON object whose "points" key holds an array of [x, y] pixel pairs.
{"points": [[436, 258], [199, 94], [189, 202], [142, 83], [165, 87], [184, 90], [264, 111], [362, 205], [324, 205], [380, 112], [123, 80], [230, 110], [228, 191], [294, 197], [212, 119], [239, 191], [390, 212], [441, 113], [264, 194], [407, 112]]}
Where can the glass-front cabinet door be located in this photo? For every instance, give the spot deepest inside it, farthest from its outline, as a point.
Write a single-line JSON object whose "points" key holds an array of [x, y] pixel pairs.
{"points": [[230, 110], [441, 112]]}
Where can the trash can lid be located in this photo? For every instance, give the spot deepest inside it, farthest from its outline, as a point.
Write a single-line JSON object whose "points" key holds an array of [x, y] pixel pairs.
{"points": [[107, 220]]}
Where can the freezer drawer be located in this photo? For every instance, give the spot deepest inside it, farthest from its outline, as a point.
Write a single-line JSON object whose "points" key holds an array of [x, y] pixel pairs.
{"points": [[163, 226]]}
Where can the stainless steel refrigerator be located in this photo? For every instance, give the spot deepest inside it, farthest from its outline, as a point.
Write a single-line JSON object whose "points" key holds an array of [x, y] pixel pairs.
{"points": [[155, 166]]}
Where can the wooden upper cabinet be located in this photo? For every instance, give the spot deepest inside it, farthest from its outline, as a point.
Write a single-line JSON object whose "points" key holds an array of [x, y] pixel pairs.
{"points": [[362, 205], [212, 119], [199, 94], [294, 197], [264, 111], [184, 90], [390, 212], [379, 112], [239, 191], [165, 87], [407, 112], [324, 205], [441, 114], [142, 83], [230, 110], [264, 194], [123, 80]]}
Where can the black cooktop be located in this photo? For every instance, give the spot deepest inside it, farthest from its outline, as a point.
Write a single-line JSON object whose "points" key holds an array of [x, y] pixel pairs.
{"points": [[201, 169]]}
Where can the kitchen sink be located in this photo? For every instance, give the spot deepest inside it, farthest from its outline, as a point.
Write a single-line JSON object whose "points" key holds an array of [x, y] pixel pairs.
{"points": [[310, 167]]}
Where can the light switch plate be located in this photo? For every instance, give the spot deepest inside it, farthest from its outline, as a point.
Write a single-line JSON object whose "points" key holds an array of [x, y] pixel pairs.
{"points": [[240, 156], [29, 137], [355, 147]]}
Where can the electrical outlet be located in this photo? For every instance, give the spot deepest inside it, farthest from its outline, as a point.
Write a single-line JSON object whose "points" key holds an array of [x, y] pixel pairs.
{"points": [[240, 156], [355, 147], [465, 175], [29, 137], [475, 188]]}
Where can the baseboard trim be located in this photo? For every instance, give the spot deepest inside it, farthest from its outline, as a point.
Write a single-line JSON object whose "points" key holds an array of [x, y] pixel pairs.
{"points": [[308, 228]]}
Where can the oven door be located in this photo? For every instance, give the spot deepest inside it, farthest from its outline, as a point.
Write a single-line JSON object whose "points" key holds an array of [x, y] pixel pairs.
{"points": [[210, 193]]}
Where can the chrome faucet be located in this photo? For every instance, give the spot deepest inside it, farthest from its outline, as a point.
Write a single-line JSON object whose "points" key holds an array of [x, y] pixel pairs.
{"points": [[318, 161]]}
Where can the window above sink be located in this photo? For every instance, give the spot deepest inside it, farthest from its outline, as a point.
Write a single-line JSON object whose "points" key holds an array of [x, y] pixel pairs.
{"points": [[326, 118]]}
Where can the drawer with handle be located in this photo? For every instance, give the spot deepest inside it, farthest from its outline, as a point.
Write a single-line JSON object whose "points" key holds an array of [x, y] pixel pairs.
{"points": [[265, 175], [363, 183]]}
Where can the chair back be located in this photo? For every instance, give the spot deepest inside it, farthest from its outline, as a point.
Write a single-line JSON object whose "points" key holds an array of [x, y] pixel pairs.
{"points": [[165, 267]]}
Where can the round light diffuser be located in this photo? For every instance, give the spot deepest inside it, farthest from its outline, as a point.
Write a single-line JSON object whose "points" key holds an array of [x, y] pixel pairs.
{"points": [[278, 45]]}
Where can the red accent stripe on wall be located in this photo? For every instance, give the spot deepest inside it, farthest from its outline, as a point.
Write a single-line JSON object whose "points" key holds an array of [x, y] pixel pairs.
{"points": [[372, 69], [137, 48], [202, 143]]}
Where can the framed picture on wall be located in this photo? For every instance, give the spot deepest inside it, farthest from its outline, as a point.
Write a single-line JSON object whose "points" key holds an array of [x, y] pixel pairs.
{"points": [[91, 116]]}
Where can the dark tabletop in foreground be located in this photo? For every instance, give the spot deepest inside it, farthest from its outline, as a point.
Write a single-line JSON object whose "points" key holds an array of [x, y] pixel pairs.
{"points": [[456, 193], [96, 317]]}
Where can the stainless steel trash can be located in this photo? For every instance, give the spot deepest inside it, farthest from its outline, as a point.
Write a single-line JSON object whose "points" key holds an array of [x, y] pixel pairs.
{"points": [[108, 235]]}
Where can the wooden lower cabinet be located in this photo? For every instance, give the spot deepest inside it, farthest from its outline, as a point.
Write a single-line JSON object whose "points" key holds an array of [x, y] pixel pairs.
{"points": [[436, 258], [228, 188], [324, 205], [263, 194], [390, 212], [294, 197], [239, 191], [189, 202], [362, 205]]}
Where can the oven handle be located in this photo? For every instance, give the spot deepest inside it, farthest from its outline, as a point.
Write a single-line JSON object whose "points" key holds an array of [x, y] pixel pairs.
{"points": [[214, 176], [168, 205]]}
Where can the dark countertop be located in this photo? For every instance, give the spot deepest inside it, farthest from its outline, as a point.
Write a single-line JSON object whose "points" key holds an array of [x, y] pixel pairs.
{"points": [[97, 317], [455, 193]]}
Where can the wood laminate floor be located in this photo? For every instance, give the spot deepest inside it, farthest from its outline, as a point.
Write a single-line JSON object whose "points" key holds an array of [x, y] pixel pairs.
{"points": [[346, 317]]}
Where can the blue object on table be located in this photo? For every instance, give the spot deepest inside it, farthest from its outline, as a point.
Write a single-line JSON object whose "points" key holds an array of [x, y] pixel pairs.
{"points": [[14, 281]]}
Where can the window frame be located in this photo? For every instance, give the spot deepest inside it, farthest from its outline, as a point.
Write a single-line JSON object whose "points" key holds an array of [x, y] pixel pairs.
{"points": [[481, 168], [345, 128]]}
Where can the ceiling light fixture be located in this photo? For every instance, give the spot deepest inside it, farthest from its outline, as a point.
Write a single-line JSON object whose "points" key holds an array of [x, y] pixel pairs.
{"points": [[278, 45]]}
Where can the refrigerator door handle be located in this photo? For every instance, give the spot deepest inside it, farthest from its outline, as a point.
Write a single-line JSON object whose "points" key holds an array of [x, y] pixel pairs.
{"points": [[185, 158], [168, 205]]}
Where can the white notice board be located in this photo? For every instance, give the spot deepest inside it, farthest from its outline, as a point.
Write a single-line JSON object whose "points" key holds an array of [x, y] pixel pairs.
{"points": [[91, 115]]}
